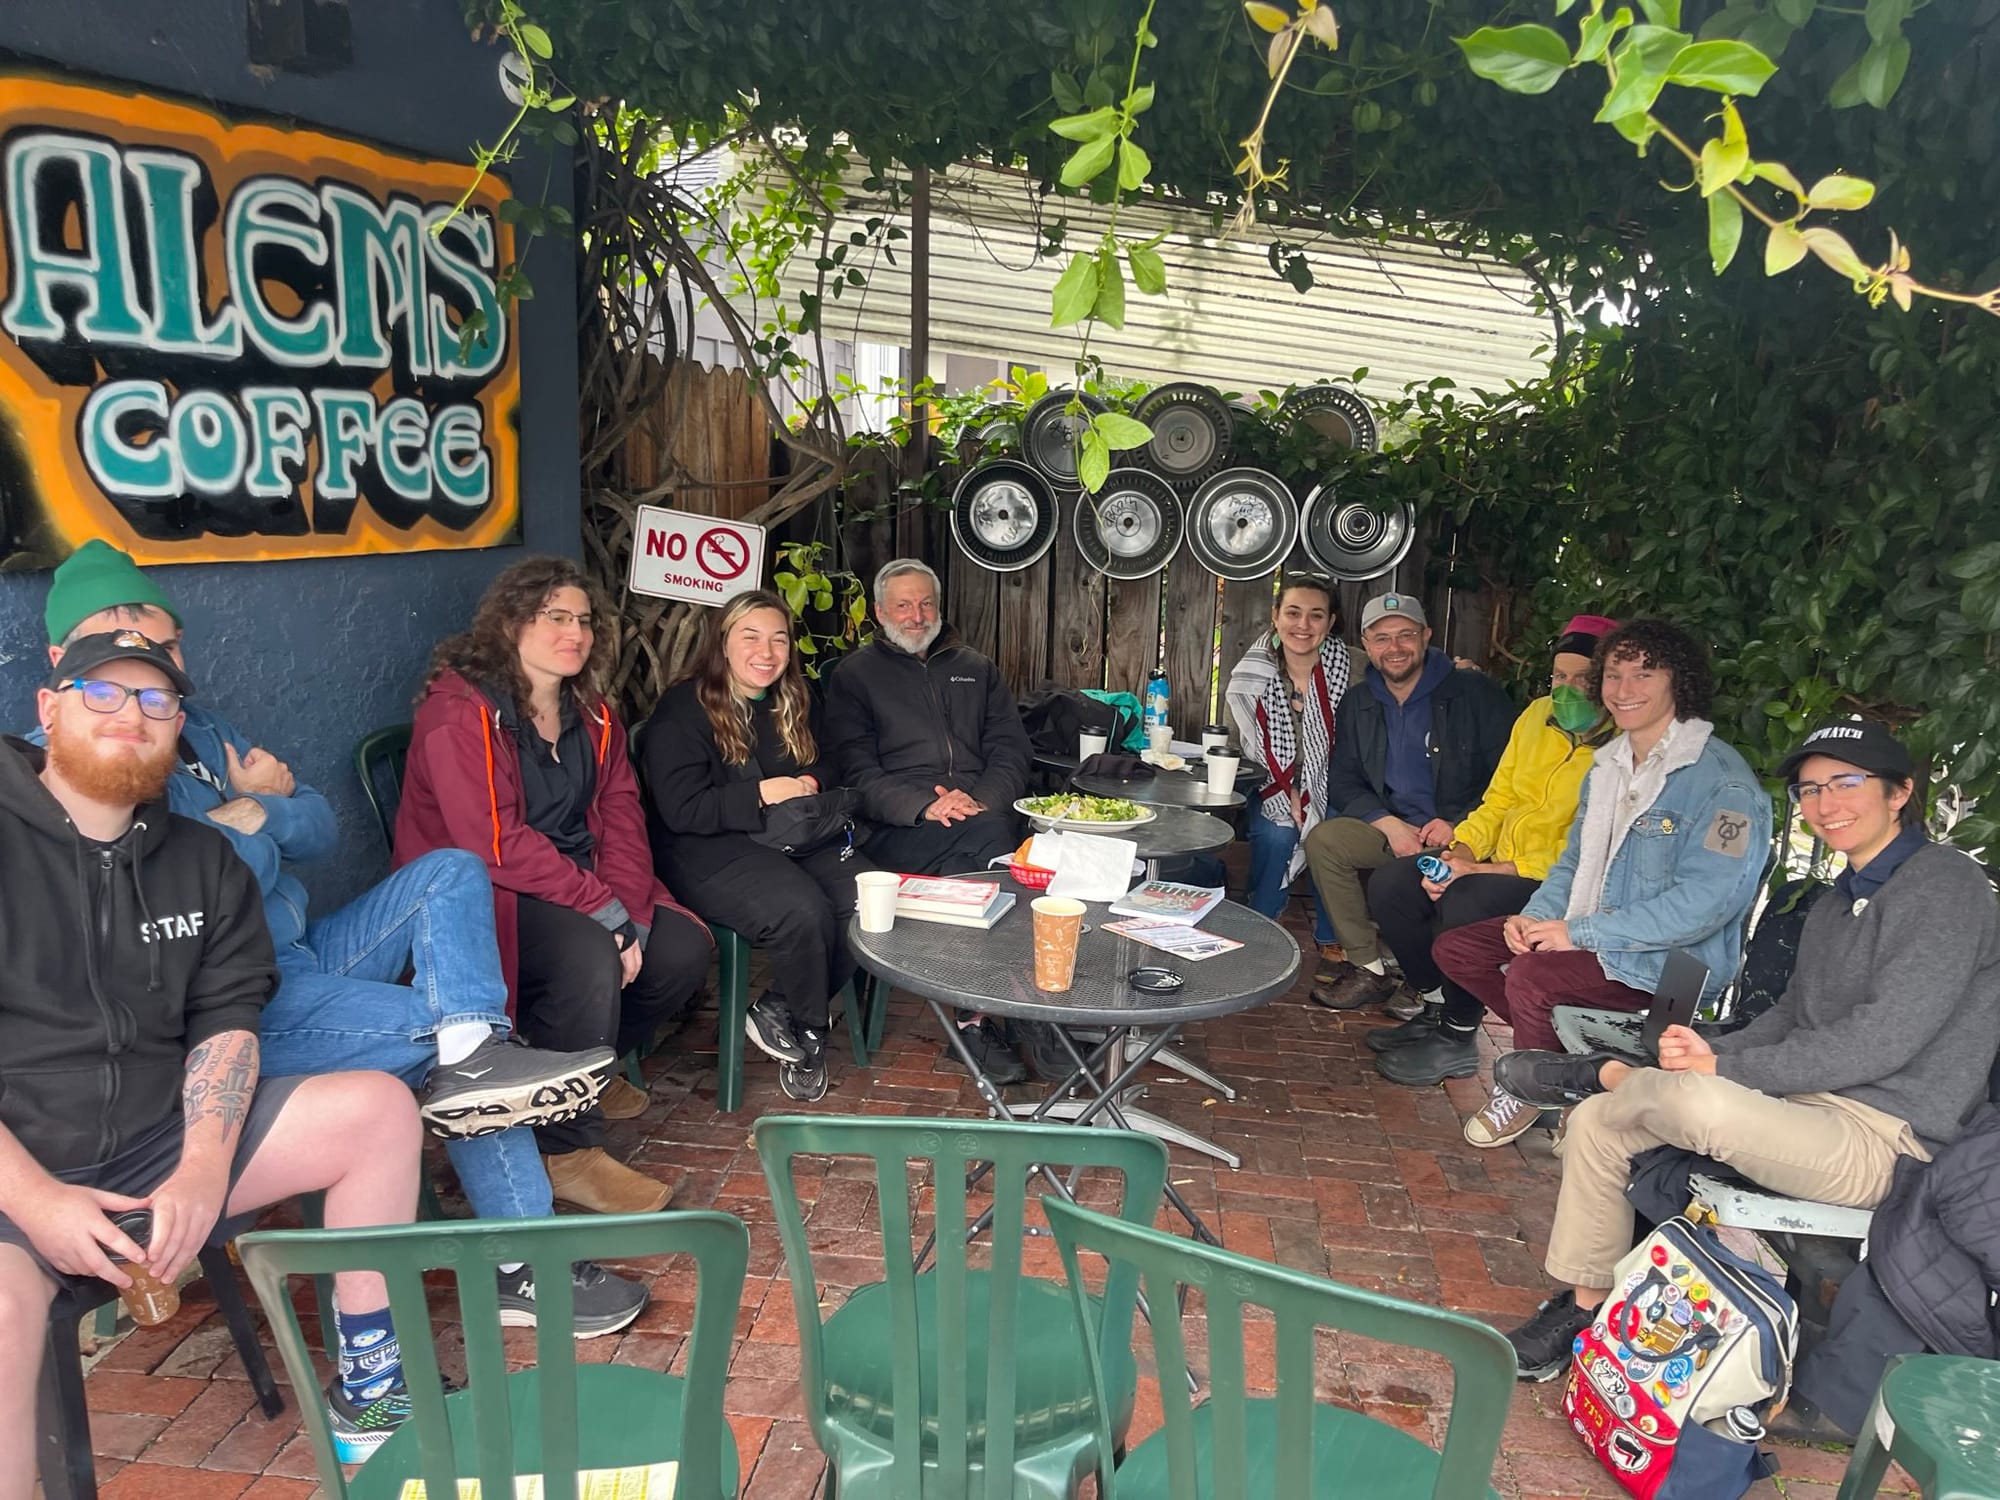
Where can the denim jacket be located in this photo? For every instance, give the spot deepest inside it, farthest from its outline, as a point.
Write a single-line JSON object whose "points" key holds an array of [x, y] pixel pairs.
{"points": [[1685, 875], [296, 828]]}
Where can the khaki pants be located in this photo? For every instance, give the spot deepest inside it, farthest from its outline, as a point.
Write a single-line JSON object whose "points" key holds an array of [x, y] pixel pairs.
{"points": [[1817, 1146], [1337, 851]]}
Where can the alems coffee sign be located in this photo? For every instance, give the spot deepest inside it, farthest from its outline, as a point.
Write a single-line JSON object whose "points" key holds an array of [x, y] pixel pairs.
{"points": [[227, 340]]}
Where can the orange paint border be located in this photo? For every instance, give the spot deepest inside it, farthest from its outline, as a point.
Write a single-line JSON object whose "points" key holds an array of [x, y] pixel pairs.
{"points": [[43, 414]]}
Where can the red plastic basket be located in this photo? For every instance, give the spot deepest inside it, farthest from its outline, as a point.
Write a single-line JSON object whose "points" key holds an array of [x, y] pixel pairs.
{"points": [[1034, 877]]}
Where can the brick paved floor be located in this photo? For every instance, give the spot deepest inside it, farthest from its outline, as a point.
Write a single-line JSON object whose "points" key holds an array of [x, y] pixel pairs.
{"points": [[1343, 1175]]}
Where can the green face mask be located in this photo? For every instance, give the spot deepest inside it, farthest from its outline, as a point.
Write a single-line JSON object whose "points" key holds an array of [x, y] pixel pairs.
{"points": [[1572, 708]]}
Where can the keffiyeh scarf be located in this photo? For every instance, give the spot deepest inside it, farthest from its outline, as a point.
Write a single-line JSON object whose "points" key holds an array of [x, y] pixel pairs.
{"points": [[1260, 692]]}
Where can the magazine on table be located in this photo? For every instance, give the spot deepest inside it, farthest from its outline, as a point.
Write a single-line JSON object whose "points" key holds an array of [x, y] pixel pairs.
{"points": [[1177, 938], [1164, 899]]}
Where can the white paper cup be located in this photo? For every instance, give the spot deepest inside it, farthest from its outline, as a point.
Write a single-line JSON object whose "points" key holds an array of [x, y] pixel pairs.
{"points": [[875, 895], [1222, 773], [1212, 739], [1160, 737], [1088, 745]]}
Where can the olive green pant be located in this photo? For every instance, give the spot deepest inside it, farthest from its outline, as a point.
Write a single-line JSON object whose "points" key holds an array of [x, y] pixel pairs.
{"points": [[1338, 851]]}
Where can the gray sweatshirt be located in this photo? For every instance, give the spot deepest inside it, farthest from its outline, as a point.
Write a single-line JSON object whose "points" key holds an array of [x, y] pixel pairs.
{"points": [[1895, 1006]]}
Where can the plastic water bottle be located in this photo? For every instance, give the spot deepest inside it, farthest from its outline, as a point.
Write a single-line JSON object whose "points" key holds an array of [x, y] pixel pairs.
{"points": [[1156, 698]]}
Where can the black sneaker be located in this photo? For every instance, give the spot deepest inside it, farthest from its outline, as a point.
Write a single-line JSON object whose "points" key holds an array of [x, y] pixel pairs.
{"points": [[605, 1301], [767, 1025], [999, 1062], [1041, 1049], [1543, 1344], [360, 1427], [505, 1083], [1418, 1028], [1430, 1061], [1549, 1079], [806, 1081]]}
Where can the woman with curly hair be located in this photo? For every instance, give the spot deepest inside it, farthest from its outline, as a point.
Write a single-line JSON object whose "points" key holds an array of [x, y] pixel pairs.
{"points": [[516, 756], [736, 738], [1666, 851]]}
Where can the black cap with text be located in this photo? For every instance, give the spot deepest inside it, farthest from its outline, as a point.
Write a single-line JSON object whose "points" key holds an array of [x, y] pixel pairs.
{"points": [[1861, 743]]}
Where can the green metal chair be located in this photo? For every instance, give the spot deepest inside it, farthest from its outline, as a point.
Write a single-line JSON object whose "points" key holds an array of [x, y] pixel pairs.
{"points": [[1939, 1417], [553, 1418], [1288, 1446], [959, 1382]]}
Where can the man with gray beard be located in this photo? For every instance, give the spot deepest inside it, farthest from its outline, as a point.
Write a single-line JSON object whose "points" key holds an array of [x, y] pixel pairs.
{"points": [[925, 729]]}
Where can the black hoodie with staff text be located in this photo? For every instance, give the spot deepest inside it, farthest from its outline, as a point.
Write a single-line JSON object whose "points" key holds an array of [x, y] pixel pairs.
{"points": [[116, 960]]}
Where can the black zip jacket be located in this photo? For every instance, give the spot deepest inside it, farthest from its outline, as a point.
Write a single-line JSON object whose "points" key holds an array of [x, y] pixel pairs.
{"points": [[900, 726], [1471, 717], [1934, 1243], [701, 810], [120, 959]]}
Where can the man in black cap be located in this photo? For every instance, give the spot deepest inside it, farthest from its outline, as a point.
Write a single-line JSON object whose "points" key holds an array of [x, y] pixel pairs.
{"points": [[1879, 1048], [138, 965]]}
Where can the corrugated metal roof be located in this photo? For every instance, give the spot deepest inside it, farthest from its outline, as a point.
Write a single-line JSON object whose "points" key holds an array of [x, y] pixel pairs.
{"points": [[1405, 310]]}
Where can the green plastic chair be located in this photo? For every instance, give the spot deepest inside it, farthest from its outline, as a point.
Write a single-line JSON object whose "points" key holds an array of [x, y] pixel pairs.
{"points": [[1938, 1416], [553, 1418], [732, 1003], [957, 1382], [379, 759], [1288, 1446]]}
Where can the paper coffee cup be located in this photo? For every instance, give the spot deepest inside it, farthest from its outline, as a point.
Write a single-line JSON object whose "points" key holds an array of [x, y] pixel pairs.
{"points": [[1214, 737], [1088, 745], [1160, 737], [148, 1299], [1058, 924], [875, 896], [1222, 773]]}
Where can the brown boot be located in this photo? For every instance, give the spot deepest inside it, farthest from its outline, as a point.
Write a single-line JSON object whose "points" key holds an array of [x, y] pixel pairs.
{"points": [[1352, 987], [1332, 960], [620, 1101], [590, 1179]]}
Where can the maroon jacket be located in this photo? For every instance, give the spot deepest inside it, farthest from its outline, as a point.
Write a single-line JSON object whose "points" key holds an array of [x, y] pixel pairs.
{"points": [[462, 790]]}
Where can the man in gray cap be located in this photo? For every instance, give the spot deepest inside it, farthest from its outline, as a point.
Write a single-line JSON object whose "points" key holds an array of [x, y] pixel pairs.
{"points": [[1414, 745]]}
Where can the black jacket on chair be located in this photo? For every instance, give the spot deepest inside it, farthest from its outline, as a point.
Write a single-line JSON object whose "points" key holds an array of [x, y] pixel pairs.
{"points": [[1471, 718], [1934, 1244]]}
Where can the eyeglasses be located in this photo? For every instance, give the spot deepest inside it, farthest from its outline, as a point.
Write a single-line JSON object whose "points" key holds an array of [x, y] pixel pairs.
{"points": [[1848, 781], [109, 697], [562, 619]]}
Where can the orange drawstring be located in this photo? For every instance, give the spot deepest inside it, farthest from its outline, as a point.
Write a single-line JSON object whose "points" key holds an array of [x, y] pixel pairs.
{"points": [[492, 792]]}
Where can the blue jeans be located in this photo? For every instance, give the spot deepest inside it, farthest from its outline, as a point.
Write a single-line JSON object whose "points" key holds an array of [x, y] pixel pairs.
{"points": [[1271, 847], [341, 1004]]}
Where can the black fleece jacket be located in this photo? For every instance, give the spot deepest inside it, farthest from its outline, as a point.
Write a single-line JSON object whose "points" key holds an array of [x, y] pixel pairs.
{"points": [[900, 726], [120, 959]]}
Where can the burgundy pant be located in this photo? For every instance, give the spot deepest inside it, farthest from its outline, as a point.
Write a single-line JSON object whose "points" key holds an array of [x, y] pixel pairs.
{"points": [[1534, 984]]}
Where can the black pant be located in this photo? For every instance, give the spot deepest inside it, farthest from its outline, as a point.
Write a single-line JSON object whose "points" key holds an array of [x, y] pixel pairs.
{"points": [[946, 848], [1409, 920], [571, 993], [796, 910]]}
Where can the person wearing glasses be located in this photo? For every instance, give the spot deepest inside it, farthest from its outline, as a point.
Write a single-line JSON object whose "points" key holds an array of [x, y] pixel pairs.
{"points": [[1879, 1049], [1417, 741], [517, 756], [1282, 696], [341, 1002], [1498, 854], [1667, 851]]}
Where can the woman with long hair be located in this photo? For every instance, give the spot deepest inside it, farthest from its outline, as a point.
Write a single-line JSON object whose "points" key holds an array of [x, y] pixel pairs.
{"points": [[1282, 695], [516, 756], [738, 737]]}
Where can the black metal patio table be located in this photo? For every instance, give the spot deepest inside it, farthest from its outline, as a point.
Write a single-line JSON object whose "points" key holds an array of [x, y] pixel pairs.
{"points": [[992, 972]]}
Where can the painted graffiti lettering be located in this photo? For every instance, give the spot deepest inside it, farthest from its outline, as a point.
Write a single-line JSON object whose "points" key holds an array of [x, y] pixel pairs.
{"points": [[223, 340]]}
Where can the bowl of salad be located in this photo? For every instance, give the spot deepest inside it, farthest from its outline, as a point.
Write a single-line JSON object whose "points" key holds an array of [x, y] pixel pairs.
{"points": [[1084, 813]]}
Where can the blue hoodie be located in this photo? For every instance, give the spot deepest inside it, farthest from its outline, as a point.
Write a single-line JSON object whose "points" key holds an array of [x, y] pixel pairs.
{"points": [[296, 828], [1406, 774]]}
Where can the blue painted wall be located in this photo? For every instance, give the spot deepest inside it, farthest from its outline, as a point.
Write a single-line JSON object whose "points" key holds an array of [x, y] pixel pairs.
{"points": [[306, 656]]}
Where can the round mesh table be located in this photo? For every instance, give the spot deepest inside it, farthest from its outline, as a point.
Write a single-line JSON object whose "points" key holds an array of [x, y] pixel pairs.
{"points": [[992, 972]]}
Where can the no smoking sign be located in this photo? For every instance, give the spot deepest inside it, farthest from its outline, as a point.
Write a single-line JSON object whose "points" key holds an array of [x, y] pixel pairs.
{"points": [[676, 555]]}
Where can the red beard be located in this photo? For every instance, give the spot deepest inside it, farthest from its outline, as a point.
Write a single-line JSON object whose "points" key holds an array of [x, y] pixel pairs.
{"points": [[118, 773]]}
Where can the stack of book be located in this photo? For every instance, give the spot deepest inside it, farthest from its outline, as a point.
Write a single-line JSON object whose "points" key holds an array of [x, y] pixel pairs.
{"points": [[958, 903]]}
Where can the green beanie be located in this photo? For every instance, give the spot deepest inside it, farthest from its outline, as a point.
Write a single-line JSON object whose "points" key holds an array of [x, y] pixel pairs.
{"points": [[97, 576]]}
